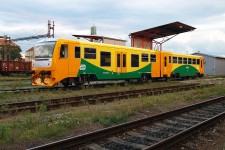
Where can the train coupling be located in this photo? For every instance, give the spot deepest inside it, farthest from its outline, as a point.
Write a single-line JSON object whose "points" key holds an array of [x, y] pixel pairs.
{"points": [[43, 78]]}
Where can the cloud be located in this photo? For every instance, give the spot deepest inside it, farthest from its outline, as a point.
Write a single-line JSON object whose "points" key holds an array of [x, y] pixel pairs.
{"points": [[117, 19], [209, 38]]}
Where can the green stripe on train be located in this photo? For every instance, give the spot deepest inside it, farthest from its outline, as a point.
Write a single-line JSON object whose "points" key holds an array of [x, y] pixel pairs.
{"points": [[102, 74], [185, 70]]}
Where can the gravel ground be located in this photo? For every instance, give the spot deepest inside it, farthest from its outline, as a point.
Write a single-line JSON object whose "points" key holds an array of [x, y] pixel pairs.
{"points": [[210, 139]]}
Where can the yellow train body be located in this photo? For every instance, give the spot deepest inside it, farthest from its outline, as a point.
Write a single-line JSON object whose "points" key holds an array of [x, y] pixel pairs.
{"points": [[72, 61]]}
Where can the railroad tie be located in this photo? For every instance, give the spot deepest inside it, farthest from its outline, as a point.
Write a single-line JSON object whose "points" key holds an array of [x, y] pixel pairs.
{"points": [[94, 146], [170, 126], [180, 118], [123, 142], [135, 134], [195, 117], [186, 125]]}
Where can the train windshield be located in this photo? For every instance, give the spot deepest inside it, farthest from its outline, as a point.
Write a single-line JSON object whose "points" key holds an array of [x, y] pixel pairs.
{"points": [[44, 50]]}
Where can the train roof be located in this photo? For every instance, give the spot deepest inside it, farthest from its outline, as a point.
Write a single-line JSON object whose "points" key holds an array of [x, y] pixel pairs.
{"points": [[110, 45], [46, 40]]}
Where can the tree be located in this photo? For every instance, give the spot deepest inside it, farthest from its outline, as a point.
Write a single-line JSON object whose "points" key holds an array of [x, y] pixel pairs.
{"points": [[8, 52], [15, 53]]}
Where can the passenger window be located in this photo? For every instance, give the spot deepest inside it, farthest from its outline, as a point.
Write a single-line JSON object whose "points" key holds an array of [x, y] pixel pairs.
{"points": [[169, 59], [175, 60], [124, 60], [198, 61], [64, 51], [134, 60], [77, 52], [144, 57], [185, 60], [90, 53], [105, 59], [165, 61], [189, 60], [118, 60], [179, 60], [153, 57], [194, 61]]}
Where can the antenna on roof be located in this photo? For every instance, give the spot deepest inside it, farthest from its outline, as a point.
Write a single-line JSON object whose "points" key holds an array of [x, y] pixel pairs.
{"points": [[93, 30]]}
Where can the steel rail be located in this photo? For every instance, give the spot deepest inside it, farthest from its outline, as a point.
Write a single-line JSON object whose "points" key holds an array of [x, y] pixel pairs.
{"points": [[214, 108], [33, 106]]}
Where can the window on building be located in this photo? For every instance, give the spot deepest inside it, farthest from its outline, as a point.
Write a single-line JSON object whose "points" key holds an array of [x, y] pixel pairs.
{"points": [[77, 52], [189, 60], [134, 60], [144, 57], [105, 59], [153, 57], [180, 60], [90, 53], [175, 60], [64, 51], [194, 61], [185, 60]]}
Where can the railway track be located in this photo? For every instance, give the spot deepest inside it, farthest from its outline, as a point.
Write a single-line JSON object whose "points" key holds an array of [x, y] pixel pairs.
{"points": [[33, 106], [31, 89], [155, 132]]}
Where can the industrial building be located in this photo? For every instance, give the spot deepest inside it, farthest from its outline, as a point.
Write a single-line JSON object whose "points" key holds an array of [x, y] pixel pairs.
{"points": [[101, 39], [214, 65]]}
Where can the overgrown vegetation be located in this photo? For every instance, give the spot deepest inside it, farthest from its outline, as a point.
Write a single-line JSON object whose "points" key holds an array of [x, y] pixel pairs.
{"points": [[36, 95], [28, 126]]}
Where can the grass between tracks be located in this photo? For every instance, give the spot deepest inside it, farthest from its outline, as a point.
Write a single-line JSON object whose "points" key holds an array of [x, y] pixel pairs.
{"points": [[36, 95], [28, 126]]}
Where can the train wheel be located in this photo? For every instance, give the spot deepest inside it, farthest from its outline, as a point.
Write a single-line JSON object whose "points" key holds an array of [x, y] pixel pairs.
{"points": [[144, 78], [65, 84]]}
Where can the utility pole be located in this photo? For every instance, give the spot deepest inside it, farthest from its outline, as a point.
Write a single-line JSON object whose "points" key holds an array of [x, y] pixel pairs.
{"points": [[50, 28], [6, 47], [49, 35]]}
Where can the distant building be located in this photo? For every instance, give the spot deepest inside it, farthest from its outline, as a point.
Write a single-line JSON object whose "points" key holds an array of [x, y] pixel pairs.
{"points": [[5, 44], [214, 65], [29, 55], [101, 39]]}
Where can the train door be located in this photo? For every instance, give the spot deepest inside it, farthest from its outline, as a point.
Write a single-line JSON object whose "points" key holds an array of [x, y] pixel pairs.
{"points": [[155, 64], [166, 65], [63, 61], [202, 66], [74, 60], [121, 64]]}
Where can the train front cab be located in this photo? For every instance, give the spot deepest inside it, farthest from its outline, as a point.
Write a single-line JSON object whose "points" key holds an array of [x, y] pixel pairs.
{"points": [[60, 63]]}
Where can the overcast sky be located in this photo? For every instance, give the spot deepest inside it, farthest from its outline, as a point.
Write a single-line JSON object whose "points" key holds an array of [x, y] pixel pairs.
{"points": [[116, 18]]}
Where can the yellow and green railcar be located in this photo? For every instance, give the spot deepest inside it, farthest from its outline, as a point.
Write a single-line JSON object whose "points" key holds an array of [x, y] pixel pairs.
{"points": [[72, 61]]}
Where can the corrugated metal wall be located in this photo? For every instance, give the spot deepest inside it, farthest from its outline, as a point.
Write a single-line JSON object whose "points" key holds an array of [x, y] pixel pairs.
{"points": [[213, 65], [209, 65], [220, 66]]}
